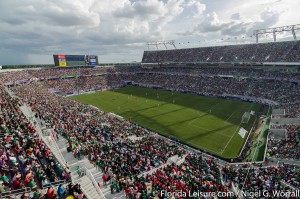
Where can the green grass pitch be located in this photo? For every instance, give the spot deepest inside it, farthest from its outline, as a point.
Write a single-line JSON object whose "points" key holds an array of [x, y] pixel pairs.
{"points": [[208, 123]]}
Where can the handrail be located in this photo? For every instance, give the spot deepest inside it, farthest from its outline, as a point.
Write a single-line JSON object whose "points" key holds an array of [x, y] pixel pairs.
{"points": [[288, 185], [38, 124], [41, 135], [91, 177], [89, 174], [15, 192], [57, 147], [83, 190], [51, 184]]}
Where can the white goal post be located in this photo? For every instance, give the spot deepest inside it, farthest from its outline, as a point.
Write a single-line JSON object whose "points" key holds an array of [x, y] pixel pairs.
{"points": [[246, 117]]}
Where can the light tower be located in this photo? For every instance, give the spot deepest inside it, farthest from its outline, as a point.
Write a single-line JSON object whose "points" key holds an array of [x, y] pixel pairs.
{"points": [[165, 43], [273, 31]]}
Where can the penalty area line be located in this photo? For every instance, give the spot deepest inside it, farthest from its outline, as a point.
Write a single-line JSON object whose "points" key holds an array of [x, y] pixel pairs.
{"points": [[229, 117], [239, 126], [205, 113]]}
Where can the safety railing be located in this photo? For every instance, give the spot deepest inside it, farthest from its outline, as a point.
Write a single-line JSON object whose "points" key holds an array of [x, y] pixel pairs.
{"points": [[54, 184], [15, 193], [91, 177], [83, 190], [58, 150]]}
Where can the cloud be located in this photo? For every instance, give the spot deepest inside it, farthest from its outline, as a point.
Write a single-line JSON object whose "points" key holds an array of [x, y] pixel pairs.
{"points": [[199, 7], [210, 23], [144, 10], [30, 28], [269, 18], [44, 27], [55, 12], [235, 26], [236, 16]]}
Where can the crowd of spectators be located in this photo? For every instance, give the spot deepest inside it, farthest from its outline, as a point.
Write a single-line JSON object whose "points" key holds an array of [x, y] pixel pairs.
{"points": [[285, 93], [208, 81], [123, 150], [103, 138], [25, 160], [287, 146], [253, 179], [263, 52], [14, 76], [195, 174], [230, 71], [73, 85]]}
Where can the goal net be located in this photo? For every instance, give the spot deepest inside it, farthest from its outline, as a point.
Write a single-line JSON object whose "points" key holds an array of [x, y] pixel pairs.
{"points": [[246, 117]]}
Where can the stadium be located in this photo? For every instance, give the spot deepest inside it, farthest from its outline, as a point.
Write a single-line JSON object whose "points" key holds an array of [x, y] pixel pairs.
{"points": [[220, 121]]}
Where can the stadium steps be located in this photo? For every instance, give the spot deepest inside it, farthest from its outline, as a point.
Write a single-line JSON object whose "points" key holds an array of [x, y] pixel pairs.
{"points": [[233, 189], [174, 159], [10, 92], [88, 188], [55, 150], [84, 181], [59, 151], [236, 190], [26, 110], [46, 138]]}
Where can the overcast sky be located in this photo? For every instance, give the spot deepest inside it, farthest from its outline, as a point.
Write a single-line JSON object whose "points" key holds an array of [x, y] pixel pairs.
{"points": [[31, 31]]}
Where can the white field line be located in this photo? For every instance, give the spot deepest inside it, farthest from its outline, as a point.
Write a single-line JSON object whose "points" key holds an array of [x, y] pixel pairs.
{"points": [[229, 117], [199, 127], [200, 115], [235, 132], [204, 148]]}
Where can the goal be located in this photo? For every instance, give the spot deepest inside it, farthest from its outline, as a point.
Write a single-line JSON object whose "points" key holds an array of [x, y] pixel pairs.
{"points": [[246, 117]]}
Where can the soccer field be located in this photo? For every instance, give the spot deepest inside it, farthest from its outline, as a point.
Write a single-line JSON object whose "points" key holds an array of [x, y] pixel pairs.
{"points": [[207, 123]]}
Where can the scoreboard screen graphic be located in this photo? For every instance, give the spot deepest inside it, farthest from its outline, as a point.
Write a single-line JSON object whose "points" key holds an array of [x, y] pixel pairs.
{"points": [[75, 60], [91, 60], [62, 60]]}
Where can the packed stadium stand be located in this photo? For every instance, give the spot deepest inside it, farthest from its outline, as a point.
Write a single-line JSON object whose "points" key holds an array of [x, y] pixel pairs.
{"points": [[149, 166], [262, 52]]}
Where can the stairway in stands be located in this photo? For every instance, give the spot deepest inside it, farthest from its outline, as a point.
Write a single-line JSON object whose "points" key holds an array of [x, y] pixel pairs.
{"points": [[85, 181], [58, 149], [88, 182], [93, 176]]}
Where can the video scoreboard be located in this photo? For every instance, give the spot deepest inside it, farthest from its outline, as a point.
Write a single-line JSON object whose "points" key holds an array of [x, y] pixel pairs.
{"points": [[75, 60]]}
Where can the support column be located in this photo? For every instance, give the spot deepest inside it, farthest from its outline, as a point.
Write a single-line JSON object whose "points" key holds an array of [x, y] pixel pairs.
{"points": [[294, 34]]}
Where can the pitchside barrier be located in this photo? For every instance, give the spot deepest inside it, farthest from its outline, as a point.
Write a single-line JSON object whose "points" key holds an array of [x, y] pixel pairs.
{"points": [[223, 96], [249, 135]]}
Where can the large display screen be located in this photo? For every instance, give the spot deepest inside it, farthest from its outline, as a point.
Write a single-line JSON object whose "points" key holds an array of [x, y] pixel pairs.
{"points": [[75, 60], [62, 60]]}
